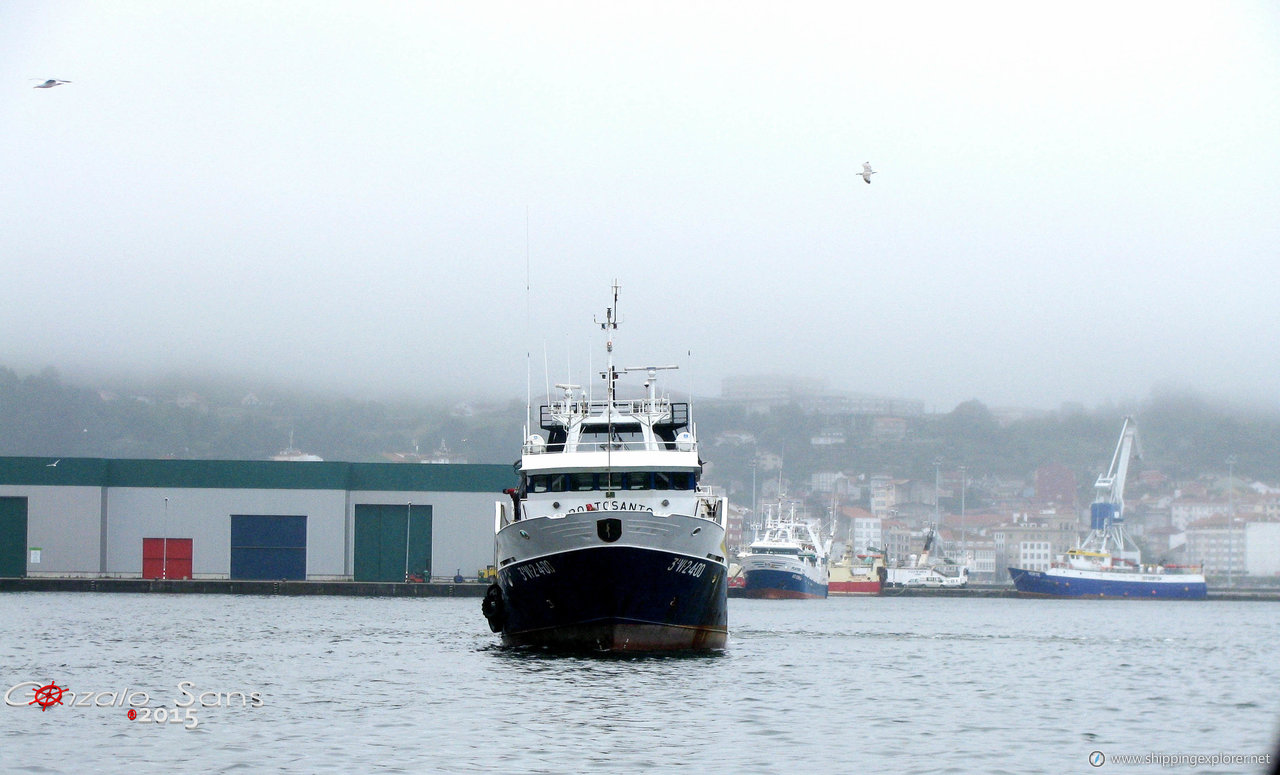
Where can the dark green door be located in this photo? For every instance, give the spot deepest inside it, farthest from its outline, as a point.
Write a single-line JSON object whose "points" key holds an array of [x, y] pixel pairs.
{"points": [[383, 531], [13, 537]]}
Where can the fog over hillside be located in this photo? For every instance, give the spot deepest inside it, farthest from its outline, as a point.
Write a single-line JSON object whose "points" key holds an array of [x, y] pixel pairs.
{"points": [[1071, 202]]}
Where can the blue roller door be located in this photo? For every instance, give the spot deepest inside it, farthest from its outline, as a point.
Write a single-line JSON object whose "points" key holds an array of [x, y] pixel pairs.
{"points": [[268, 547]]}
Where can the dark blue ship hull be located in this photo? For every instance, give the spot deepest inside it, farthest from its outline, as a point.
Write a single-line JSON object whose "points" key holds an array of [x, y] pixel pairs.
{"points": [[781, 585], [614, 598], [1119, 585]]}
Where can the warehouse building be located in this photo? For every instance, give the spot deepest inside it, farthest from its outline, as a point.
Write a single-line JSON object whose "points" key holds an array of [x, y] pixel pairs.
{"points": [[225, 519]]}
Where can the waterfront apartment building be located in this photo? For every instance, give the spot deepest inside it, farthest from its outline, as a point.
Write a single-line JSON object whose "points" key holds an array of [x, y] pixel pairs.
{"points": [[1262, 548], [983, 552], [1239, 547], [866, 531], [1038, 539], [886, 494], [1183, 513]]}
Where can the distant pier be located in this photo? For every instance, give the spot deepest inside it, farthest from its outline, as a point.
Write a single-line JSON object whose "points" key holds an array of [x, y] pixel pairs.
{"points": [[243, 587], [459, 589], [998, 590]]}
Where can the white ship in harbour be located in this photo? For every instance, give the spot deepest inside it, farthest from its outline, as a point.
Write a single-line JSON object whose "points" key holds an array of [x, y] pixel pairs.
{"points": [[932, 568]]}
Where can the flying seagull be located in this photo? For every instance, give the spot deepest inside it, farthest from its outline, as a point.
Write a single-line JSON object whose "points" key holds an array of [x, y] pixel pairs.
{"points": [[54, 464], [867, 172], [49, 84]]}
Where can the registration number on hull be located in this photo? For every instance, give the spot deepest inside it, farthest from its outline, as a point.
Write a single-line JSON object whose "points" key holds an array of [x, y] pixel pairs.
{"points": [[687, 567], [536, 569]]}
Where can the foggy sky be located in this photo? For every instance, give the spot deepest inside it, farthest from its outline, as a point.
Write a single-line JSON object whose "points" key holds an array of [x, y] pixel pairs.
{"points": [[1074, 201]]}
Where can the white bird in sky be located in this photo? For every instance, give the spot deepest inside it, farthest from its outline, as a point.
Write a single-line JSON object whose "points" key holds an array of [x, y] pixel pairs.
{"points": [[49, 84], [867, 172]]}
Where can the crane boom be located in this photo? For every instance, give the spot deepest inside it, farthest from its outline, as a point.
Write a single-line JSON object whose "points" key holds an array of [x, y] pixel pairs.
{"points": [[1110, 486], [1106, 515]]}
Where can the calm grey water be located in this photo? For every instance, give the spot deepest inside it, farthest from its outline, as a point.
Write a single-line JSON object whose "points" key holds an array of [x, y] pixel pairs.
{"points": [[850, 685]]}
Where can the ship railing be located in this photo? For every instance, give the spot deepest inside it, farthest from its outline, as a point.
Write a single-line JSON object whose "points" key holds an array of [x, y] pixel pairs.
{"points": [[1173, 570], [674, 414], [532, 448], [606, 446]]}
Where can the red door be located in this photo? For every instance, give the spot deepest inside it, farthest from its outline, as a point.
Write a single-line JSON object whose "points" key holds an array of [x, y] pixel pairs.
{"points": [[166, 558]]}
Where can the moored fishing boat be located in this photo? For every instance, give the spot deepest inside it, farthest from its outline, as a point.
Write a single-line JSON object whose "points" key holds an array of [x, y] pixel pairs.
{"points": [[932, 568], [857, 573], [787, 561], [609, 542]]}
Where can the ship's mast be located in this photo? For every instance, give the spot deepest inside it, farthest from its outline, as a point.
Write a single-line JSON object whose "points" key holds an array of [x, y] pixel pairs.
{"points": [[609, 325], [610, 375]]}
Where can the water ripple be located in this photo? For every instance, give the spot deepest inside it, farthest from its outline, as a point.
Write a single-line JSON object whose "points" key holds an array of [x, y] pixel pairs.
{"points": [[902, 685]]}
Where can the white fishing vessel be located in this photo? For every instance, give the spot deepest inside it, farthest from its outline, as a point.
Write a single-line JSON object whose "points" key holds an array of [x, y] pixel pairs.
{"points": [[610, 542], [788, 559], [932, 568]]}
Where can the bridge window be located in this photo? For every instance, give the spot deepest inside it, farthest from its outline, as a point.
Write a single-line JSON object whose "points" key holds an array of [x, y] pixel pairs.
{"points": [[620, 439], [616, 480], [548, 483], [673, 480]]}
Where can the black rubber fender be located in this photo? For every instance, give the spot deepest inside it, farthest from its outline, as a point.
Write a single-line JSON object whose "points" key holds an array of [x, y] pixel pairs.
{"points": [[493, 607]]}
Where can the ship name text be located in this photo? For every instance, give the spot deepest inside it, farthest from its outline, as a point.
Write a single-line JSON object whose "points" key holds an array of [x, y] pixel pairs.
{"points": [[610, 506]]}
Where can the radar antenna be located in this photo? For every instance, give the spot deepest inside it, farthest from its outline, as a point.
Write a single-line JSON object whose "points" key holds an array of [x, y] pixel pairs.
{"points": [[651, 381]]}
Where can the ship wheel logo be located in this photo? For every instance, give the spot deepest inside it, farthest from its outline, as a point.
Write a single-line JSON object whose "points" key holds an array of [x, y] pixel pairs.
{"points": [[47, 695]]}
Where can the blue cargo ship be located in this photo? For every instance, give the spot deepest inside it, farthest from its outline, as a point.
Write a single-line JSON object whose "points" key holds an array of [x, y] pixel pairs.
{"points": [[1107, 563], [1157, 582]]}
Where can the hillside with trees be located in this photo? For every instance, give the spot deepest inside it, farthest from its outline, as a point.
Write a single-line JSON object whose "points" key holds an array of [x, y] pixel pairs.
{"points": [[1183, 435]]}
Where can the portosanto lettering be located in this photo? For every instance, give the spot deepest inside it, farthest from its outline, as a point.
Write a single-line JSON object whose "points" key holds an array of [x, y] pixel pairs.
{"points": [[610, 506]]}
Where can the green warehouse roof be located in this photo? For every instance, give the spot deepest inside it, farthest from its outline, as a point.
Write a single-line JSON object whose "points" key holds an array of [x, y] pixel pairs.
{"points": [[255, 474]]}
